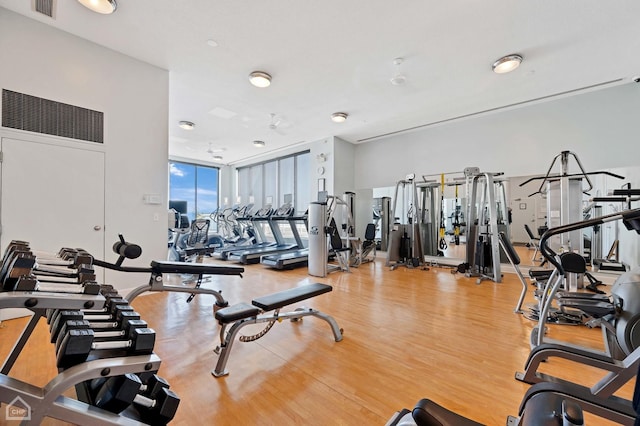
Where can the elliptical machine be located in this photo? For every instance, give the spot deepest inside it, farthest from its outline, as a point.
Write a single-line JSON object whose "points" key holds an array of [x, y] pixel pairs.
{"points": [[620, 320]]}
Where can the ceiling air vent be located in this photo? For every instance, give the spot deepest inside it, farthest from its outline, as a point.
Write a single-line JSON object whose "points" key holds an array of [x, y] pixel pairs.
{"points": [[46, 7], [33, 114]]}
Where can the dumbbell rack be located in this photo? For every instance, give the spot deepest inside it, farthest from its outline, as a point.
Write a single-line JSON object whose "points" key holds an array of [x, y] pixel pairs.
{"points": [[49, 401]]}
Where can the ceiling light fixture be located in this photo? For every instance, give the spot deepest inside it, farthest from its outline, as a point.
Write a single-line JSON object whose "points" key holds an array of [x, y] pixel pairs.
{"points": [[186, 125], [339, 117], [217, 158], [259, 144], [260, 79], [507, 64], [104, 7]]}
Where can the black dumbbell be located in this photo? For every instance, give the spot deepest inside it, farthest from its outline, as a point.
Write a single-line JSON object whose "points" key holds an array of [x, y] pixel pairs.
{"points": [[65, 274], [128, 322], [107, 289], [110, 320], [157, 404], [110, 301], [109, 305], [18, 264], [14, 246], [100, 315], [31, 283], [75, 257], [152, 384], [78, 344]]}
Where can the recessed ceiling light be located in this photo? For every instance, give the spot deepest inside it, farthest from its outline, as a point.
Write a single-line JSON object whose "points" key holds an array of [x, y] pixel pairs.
{"points": [[398, 78], [186, 125], [339, 117], [259, 144], [507, 64], [211, 42], [217, 158], [100, 6], [260, 79]]}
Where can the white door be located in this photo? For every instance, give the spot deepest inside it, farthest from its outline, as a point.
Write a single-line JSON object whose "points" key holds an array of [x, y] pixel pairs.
{"points": [[52, 196]]}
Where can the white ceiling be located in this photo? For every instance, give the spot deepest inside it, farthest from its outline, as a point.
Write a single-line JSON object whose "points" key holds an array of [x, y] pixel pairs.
{"points": [[337, 55]]}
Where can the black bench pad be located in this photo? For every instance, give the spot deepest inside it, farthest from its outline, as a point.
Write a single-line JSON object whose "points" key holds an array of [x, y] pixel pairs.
{"points": [[236, 312], [293, 295], [540, 273], [199, 250], [163, 267]]}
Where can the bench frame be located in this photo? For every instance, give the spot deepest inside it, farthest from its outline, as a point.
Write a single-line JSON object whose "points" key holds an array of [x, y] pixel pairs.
{"points": [[227, 337]]}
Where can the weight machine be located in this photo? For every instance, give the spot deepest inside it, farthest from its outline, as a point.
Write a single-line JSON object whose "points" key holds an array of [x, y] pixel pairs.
{"points": [[331, 229], [563, 191], [487, 217], [405, 244]]}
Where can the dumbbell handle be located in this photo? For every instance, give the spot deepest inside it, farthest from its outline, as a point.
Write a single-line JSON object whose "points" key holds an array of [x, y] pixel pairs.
{"points": [[99, 317], [102, 325], [116, 344], [144, 401], [109, 334]]}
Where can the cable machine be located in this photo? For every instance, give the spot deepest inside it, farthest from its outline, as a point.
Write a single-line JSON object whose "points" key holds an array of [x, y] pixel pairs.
{"points": [[331, 227], [486, 218], [382, 214], [564, 205], [405, 245]]}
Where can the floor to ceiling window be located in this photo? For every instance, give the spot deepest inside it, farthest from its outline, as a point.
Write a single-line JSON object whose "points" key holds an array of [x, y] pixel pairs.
{"points": [[195, 187], [274, 181]]}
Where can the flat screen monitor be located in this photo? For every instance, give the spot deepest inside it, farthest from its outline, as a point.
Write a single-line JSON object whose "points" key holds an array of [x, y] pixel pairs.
{"points": [[178, 205]]}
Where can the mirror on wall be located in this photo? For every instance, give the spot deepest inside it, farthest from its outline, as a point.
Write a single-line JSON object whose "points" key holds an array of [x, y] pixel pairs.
{"points": [[526, 207]]}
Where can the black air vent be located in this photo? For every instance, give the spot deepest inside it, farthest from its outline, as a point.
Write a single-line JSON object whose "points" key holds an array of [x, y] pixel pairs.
{"points": [[46, 7], [25, 112]]}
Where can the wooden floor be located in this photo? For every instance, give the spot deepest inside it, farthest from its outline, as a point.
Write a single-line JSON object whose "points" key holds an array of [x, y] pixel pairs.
{"points": [[408, 334]]}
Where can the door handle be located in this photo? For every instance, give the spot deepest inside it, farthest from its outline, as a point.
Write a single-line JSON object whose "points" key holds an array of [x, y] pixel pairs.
{"points": [[97, 228]]}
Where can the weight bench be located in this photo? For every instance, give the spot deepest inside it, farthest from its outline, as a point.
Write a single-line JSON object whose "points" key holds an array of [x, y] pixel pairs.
{"points": [[243, 314], [158, 268]]}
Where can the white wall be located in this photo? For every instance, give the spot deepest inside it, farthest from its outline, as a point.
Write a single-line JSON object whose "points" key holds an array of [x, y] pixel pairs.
{"points": [[41, 61], [601, 127], [343, 160]]}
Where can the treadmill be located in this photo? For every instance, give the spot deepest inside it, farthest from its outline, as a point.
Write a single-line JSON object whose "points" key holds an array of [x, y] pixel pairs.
{"points": [[248, 256], [294, 258], [263, 214]]}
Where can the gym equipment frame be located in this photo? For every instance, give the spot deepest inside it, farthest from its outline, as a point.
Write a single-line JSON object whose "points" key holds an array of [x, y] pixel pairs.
{"points": [[158, 268], [244, 314]]}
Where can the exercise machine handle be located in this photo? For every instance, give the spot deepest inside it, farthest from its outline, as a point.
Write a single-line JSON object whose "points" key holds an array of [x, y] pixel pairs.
{"points": [[631, 220]]}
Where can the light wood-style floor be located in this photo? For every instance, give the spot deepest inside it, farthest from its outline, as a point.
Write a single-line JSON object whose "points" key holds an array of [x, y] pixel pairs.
{"points": [[408, 334]]}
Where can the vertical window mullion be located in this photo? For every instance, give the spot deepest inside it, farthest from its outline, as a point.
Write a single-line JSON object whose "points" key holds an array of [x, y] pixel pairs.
{"points": [[295, 181], [195, 191]]}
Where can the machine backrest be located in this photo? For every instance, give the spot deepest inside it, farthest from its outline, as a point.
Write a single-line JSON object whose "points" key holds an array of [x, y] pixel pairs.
{"points": [[370, 232], [526, 228], [573, 262], [509, 249], [334, 237], [199, 232]]}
